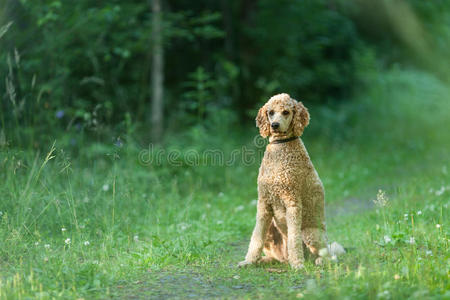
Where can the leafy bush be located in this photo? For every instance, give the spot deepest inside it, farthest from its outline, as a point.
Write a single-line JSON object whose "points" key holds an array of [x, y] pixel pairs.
{"points": [[306, 48]]}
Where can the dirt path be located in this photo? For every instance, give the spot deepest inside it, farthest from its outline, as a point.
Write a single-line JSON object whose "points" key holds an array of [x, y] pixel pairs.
{"points": [[193, 282], [189, 283], [186, 284]]}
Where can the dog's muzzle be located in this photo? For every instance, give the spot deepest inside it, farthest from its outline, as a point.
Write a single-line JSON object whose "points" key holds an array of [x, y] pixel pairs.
{"points": [[275, 125]]}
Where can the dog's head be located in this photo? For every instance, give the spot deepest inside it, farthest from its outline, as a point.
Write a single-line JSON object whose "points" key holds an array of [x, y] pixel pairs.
{"points": [[282, 116]]}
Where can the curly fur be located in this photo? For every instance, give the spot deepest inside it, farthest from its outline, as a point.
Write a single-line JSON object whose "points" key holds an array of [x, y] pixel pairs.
{"points": [[301, 119], [290, 211], [262, 122]]}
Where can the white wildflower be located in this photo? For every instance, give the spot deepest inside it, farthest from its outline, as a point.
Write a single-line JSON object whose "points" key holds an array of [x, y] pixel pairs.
{"points": [[430, 207], [382, 200], [105, 187], [384, 294], [333, 257], [239, 208], [419, 212], [387, 239], [86, 243], [47, 246], [429, 253], [440, 191], [63, 229], [67, 241], [438, 225], [183, 226], [412, 240], [136, 238], [36, 243]]}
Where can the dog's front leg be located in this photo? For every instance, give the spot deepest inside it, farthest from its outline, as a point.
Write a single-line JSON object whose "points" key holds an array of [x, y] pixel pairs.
{"points": [[294, 236], [263, 219]]}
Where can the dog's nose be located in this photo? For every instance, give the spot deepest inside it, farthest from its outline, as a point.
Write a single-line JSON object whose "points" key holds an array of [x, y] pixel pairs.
{"points": [[275, 125]]}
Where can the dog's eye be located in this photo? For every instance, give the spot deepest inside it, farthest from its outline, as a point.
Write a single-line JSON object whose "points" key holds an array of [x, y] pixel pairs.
{"points": [[271, 113], [285, 112]]}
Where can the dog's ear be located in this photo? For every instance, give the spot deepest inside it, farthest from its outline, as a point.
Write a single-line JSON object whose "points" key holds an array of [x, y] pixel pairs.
{"points": [[301, 118], [262, 122]]}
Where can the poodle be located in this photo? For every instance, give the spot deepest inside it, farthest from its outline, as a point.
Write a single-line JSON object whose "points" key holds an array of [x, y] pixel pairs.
{"points": [[290, 217]]}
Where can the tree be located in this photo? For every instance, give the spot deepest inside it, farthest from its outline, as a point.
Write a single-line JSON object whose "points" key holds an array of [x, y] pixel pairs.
{"points": [[157, 76]]}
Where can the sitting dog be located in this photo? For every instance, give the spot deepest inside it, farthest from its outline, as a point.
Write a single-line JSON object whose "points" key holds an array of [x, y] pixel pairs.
{"points": [[290, 215]]}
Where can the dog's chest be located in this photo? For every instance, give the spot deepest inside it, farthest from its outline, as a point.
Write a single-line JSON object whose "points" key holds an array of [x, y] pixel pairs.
{"points": [[284, 166]]}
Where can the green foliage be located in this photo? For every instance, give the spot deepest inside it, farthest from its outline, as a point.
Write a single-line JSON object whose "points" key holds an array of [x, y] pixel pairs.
{"points": [[83, 63], [82, 67], [86, 64], [199, 91], [305, 48]]}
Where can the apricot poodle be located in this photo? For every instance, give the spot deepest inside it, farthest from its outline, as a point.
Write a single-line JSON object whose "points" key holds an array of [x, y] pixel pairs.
{"points": [[290, 215]]}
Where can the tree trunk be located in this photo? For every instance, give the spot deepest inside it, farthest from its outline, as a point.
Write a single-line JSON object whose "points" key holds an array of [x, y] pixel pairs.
{"points": [[157, 76]]}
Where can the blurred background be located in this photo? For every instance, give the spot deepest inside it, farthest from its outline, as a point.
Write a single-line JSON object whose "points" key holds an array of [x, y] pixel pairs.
{"points": [[157, 71]]}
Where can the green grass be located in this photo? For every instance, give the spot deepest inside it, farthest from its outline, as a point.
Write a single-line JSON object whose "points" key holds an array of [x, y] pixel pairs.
{"points": [[179, 231]]}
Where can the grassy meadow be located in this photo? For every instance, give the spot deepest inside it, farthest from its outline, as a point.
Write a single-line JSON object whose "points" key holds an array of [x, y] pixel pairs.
{"points": [[114, 221]]}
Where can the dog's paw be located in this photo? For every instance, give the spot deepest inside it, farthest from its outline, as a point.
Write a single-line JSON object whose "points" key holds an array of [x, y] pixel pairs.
{"points": [[244, 264], [319, 261]]}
